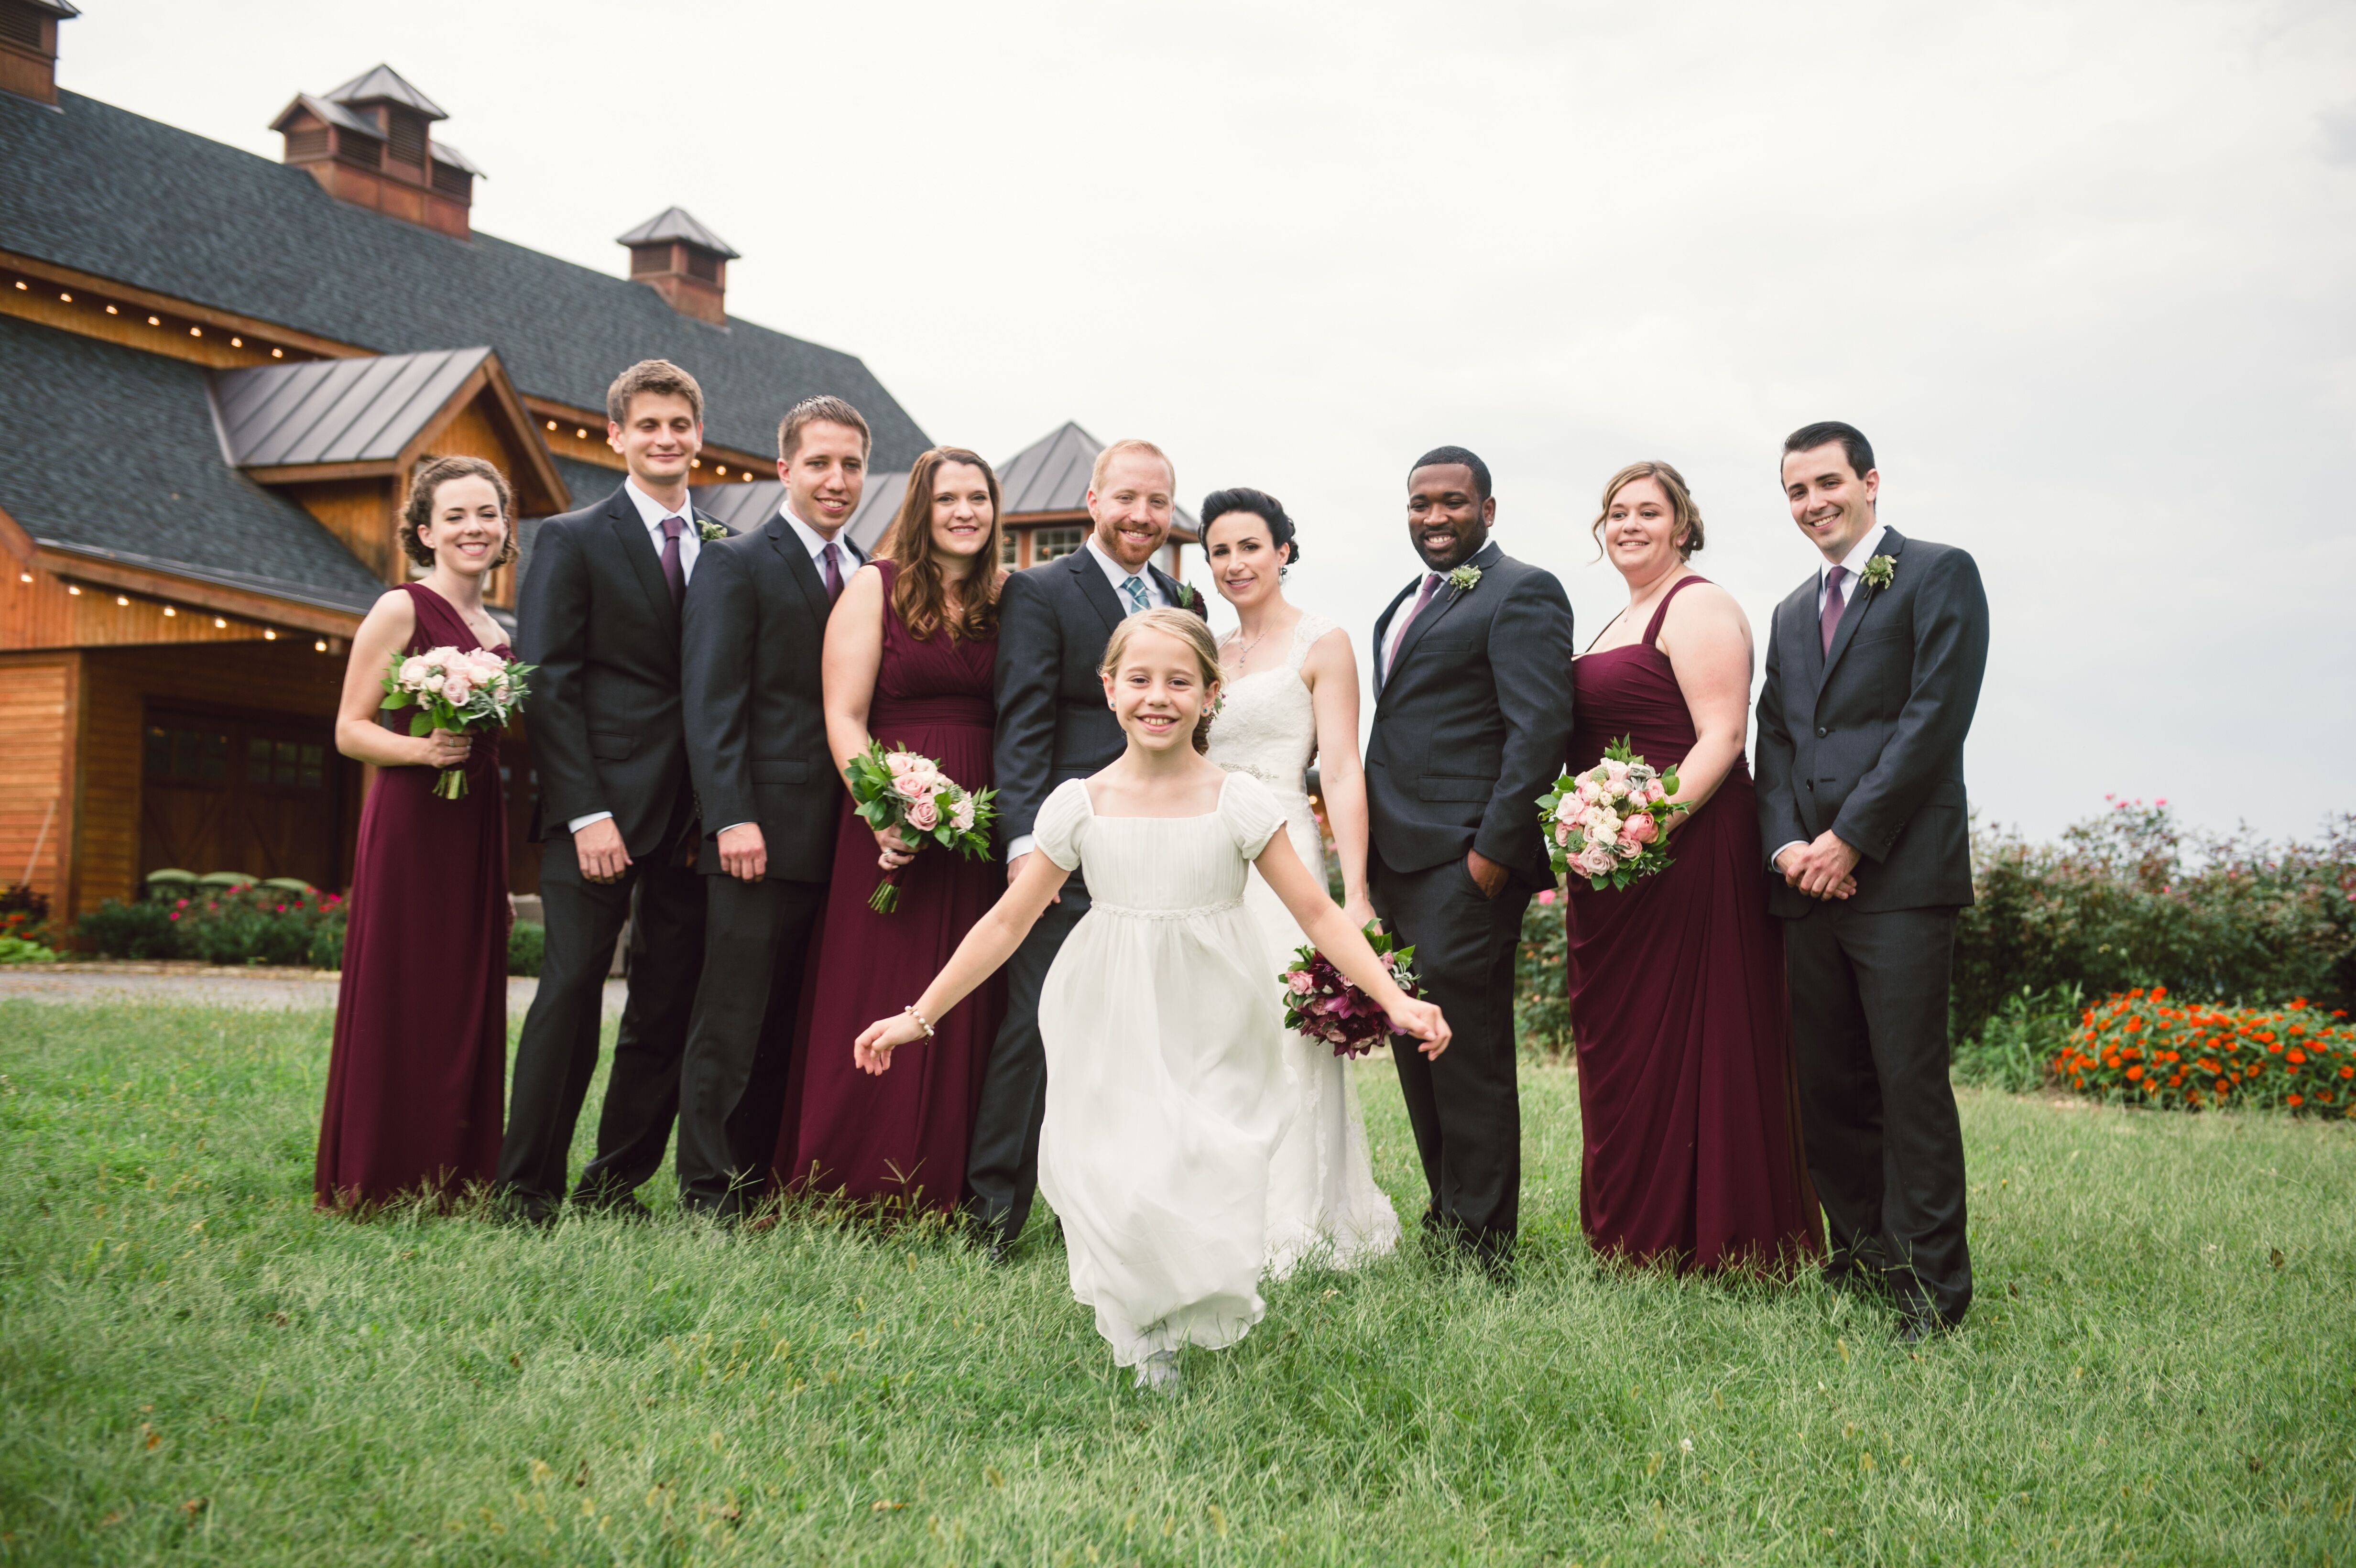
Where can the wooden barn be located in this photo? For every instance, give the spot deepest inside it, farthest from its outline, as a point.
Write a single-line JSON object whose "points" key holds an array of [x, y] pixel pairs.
{"points": [[215, 372]]}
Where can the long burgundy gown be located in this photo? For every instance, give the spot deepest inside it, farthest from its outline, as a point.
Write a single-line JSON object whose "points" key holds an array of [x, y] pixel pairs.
{"points": [[415, 1076], [1685, 1086], [899, 1140]]}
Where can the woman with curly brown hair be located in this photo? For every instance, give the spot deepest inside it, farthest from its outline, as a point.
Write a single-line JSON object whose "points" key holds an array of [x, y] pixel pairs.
{"points": [[420, 1053]]}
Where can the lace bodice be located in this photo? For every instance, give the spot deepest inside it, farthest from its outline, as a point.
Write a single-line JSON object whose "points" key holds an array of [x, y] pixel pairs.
{"points": [[1267, 726]]}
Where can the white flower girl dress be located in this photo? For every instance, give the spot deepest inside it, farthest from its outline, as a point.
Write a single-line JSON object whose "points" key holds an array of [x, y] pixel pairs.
{"points": [[1167, 1089]]}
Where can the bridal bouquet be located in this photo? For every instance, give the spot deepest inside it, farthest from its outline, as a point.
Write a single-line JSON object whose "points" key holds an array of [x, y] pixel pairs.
{"points": [[900, 789], [1610, 823], [1320, 1002], [455, 690]]}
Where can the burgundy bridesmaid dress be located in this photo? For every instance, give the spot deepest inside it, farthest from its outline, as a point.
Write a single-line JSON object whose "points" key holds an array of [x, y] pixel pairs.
{"points": [[898, 1141], [1685, 1086], [419, 1063]]}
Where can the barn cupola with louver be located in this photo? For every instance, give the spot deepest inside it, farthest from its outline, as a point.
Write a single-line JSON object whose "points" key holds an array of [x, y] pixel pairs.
{"points": [[371, 142], [28, 46], [682, 260]]}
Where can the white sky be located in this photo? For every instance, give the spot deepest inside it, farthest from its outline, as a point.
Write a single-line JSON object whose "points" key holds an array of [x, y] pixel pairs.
{"points": [[2080, 267]]}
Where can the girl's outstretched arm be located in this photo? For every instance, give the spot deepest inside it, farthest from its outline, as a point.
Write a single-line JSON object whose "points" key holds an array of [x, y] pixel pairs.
{"points": [[991, 943], [1332, 935]]}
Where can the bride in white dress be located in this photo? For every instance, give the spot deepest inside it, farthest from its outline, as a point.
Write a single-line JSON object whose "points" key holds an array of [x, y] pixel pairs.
{"points": [[1164, 1069], [1290, 694]]}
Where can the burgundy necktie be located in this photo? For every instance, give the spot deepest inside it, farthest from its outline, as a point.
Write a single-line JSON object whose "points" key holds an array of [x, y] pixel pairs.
{"points": [[1431, 586], [1829, 622], [674, 570], [833, 572]]}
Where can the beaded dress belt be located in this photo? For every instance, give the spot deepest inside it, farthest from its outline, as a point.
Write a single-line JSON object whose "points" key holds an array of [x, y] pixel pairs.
{"points": [[1166, 913]]}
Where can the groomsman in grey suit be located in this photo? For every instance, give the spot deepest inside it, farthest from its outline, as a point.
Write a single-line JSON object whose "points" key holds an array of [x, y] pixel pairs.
{"points": [[1054, 621], [1471, 718], [1873, 672], [756, 615]]}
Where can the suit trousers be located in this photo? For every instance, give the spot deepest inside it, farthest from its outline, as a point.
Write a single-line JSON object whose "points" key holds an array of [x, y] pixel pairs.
{"points": [[1002, 1160], [732, 1080], [556, 1055], [1884, 1144], [1465, 1108]]}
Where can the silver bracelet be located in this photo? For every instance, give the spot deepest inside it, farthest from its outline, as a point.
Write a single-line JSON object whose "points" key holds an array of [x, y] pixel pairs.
{"points": [[910, 1011]]}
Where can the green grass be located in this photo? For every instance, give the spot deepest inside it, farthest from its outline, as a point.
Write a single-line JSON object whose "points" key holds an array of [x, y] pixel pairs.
{"points": [[195, 1366]]}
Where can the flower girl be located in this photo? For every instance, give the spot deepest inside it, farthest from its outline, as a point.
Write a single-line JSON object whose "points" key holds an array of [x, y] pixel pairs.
{"points": [[1166, 1086]]}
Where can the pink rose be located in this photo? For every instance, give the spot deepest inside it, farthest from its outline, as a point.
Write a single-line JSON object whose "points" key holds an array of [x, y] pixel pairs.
{"points": [[413, 671], [1545, 895], [900, 762], [1298, 982], [924, 816], [1641, 830], [1588, 792], [454, 691], [912, 787], [1655, 794], [1562, 833], [961, 814], [1597, 859]]}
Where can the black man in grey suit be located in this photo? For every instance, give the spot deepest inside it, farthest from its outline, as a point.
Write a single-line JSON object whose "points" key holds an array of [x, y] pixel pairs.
{"points": [[1472, 719], [765, 777], [599, 612], [1873, 673], [1053, 724]]}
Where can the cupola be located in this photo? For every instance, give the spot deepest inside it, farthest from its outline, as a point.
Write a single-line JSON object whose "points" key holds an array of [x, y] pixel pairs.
{"points": [[682, 260], [371, 142], [28, 46]]}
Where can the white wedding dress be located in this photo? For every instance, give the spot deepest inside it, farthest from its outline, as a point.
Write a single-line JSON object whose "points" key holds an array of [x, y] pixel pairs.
{"points": [[1322, 1200], [1167, 1091]]}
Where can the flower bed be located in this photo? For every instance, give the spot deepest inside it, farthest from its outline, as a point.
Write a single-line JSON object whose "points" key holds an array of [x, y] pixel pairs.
{"points": [[2141, 1047]]}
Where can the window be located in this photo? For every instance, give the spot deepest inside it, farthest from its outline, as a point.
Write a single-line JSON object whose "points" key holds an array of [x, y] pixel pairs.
{"points": [[1010, 550], [282, 765], [1052, 544], [188, 756]]}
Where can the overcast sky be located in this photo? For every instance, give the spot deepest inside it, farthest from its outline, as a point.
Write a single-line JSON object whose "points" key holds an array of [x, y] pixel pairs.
{"points": [[2080, 267]]}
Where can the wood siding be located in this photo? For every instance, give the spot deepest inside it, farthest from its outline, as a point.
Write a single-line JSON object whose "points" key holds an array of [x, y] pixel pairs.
{"points": [[37, 723], [50, 612], [362, 514], [96, 313]]}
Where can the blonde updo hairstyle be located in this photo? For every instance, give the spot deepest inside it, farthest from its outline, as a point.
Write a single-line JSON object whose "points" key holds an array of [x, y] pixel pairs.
{"points": [[1685, 517], [1188, 628]]}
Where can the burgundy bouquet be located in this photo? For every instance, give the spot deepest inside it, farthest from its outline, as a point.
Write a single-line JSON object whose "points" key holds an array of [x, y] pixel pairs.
{"points": [[1320, 1002]]}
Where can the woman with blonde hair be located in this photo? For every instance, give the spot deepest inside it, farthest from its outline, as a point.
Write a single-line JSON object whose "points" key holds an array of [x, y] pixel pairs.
{"points": [[1685, 1086], [910, 655], [1166, 1082]]}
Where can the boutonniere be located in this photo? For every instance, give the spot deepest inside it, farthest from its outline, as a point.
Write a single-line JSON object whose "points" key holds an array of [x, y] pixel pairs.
{"points": [[1879, 571], [709, 531], [1464, 579], [1188, 599]]}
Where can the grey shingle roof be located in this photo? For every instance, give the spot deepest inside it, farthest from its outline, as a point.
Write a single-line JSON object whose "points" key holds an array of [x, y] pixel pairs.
{"points": [[1052, 474], [113, 454], [336, 410], [127, 198]]}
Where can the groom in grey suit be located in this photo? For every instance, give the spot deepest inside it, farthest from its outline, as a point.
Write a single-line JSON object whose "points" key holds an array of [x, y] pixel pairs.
{"points": [[1873, 672], [1471, 718]]}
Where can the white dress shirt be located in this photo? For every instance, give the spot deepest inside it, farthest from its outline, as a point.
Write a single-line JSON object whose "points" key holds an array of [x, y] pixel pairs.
{"points": [[1853, 563], [1115, 574], [652, 512]]}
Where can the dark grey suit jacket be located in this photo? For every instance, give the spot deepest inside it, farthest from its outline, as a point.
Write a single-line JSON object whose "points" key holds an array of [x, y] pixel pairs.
{"points": [[594, 613], [756, 613], [1868, 739], [1470, 725], [1053, 724]]}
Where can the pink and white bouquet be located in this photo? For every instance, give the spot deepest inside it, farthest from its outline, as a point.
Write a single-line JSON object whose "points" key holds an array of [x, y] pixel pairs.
{"points": [[1321, 1003], [1610, 823], [901, 789], [467, 690]]}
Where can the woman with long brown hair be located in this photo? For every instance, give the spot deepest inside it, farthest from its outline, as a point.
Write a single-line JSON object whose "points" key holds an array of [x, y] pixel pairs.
{"points": [[909, 653]]}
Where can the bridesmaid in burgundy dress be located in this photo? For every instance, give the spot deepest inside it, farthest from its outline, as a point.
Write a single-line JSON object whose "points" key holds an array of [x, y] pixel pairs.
{"points": [[1686, 1085], [420, 1055], [909, 656]]}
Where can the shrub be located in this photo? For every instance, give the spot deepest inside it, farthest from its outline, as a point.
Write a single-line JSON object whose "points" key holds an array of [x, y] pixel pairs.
{"points": [[24, 914], [1541, 985], [527, 945], [118, 930], [2015, 1046], [2128, 900], [2144, 1048], [217, 923], [17, 950]]}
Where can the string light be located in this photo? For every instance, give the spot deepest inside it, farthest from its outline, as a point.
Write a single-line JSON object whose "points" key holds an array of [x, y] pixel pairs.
{"points": [[196, 332], [74, 590], [219, 622], [169, 612], [278, 354], [268, 635], [119, 599], [111, 311], [581, 435], [23, 284], [695, 463], [721, 470], [552, 425], [65, 297], [24, 577], [240, 343], [320, 646], [154, 321]]}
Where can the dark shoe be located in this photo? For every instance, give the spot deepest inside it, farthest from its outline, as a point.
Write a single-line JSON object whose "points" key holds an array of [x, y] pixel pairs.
{"points": [[513, 1208], [626, 1208], [1917, 1326]]}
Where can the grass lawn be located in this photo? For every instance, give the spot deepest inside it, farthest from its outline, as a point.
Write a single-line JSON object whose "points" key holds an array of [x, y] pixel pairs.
{"points": [[195, 1366]]}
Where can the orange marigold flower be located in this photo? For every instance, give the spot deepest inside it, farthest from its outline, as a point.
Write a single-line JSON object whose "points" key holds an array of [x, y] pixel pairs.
{"points": [[2157, 992], [2296, 1056], [2347, 1072], [2295, 1100], [2133, 1073]]}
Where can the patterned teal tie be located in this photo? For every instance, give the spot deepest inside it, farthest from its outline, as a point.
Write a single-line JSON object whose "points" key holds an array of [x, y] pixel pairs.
{"points": [[1135, 588]]}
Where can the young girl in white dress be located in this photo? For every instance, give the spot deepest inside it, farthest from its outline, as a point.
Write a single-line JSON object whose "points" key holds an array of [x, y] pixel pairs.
{"points": [[1167, 1088]]}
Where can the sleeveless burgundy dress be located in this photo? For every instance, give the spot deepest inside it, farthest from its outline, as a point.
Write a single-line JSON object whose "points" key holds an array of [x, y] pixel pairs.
{"points": [[1677, 1011], [419, 1063], [899, 1141]]}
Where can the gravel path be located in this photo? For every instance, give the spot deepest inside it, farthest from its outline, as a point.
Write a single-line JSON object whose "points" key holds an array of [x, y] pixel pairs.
{"points": [[193, 984]]}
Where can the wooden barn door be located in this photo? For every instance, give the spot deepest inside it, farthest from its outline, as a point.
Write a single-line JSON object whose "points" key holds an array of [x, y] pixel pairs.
{"points": [[254, 793]]}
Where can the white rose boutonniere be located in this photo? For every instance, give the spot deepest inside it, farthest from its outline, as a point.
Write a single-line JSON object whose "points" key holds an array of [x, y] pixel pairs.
{"points": [[709, 531], [1879, 571], [1464, 579]]}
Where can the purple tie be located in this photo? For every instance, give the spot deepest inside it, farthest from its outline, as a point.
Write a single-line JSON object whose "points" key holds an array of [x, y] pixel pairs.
{"points": [[833, 572], [674, 571], [1829, 622], [1431, 586]]}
